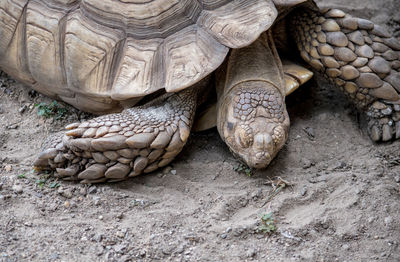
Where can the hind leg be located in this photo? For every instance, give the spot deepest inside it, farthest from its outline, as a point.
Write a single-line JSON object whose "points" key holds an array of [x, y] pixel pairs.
{"points": [[360, 58]]}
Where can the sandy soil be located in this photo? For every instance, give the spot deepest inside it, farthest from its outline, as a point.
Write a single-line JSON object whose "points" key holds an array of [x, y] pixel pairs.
{"points": [[341, 202]]}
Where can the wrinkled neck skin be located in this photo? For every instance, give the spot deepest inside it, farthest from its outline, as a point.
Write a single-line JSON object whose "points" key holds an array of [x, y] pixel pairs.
{"points": [[252, 117]]}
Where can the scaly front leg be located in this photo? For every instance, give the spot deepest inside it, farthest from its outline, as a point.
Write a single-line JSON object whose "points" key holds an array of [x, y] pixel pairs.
{"points": [[117, 146]]}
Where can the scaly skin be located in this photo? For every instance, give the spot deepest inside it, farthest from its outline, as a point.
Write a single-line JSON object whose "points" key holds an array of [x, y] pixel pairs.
{"points": [[252, 119], [257, 123], [117, 146], [360, 58], [252, 116], [357, 56]]}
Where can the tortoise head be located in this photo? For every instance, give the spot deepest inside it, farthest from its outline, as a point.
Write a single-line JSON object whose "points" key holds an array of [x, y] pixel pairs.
{"points": [[253, 122]]}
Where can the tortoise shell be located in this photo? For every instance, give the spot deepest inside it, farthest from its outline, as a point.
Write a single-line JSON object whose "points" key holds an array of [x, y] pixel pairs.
{"points": [[103, 55]]}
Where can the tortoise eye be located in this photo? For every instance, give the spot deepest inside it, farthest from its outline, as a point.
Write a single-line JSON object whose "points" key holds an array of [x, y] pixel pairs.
{"points": [[278, 135]]}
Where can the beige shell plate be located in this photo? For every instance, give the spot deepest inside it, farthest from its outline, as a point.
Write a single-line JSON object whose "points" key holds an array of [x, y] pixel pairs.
{"points": [[95, 53]]}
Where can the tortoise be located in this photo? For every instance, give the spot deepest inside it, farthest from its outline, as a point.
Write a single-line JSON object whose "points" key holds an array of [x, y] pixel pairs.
{"points": [[147, 67]]}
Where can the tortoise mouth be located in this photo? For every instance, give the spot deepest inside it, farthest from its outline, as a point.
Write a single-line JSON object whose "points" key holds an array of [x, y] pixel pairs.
{"points": [[259, 146]]}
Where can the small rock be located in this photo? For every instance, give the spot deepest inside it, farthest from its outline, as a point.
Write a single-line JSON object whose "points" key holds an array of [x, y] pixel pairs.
{"points": [[67, 193], [223, 236], [180, 249], [120, 234], [22, 109], [303, 191], [229, 229], [309, 131], [96, 200], [306, 163], [120, 215], [101, 217], [8, 168], [99, 250], [167, 169], [388, 221], [173, 171], [98, 237], [67, 204], [54, 256], [119, 247], [12, 126], [396, 178], [17, 189], [387, 111], [256, 194], [346, 247], [83, 191], [92, 190], [251, 253]]}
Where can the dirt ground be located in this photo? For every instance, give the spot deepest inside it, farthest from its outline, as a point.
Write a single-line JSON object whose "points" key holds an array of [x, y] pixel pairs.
{"points": [[341, 201]]}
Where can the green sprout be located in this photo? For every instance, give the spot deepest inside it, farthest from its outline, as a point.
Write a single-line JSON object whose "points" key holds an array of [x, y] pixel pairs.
{"points": [[21, 176], [267, 224], [53, 109], [54, 185], [242, 168]]}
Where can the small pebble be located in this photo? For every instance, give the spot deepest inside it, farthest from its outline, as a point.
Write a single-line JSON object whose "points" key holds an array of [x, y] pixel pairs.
{"points": [[303, 191], [17, 189], [96, 200], [120, 215], [83, 191], [388, 221], [396, 178], [12, 126], [223, 236], [309, 131], [67, 193], [8, 168], [251, 253], [173, 171], [92, 190], [120, 234], [346, 247], [101, 217], [167, 169], [306, 163], [22, 109]]}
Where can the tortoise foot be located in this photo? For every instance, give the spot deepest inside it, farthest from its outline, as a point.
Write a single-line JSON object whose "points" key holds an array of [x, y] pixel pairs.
{"points": [[118, 146], [384, 121], [359, 57]]}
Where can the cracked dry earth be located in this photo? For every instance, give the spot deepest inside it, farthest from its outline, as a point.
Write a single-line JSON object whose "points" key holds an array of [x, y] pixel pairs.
{"points": [[341, 202]]}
